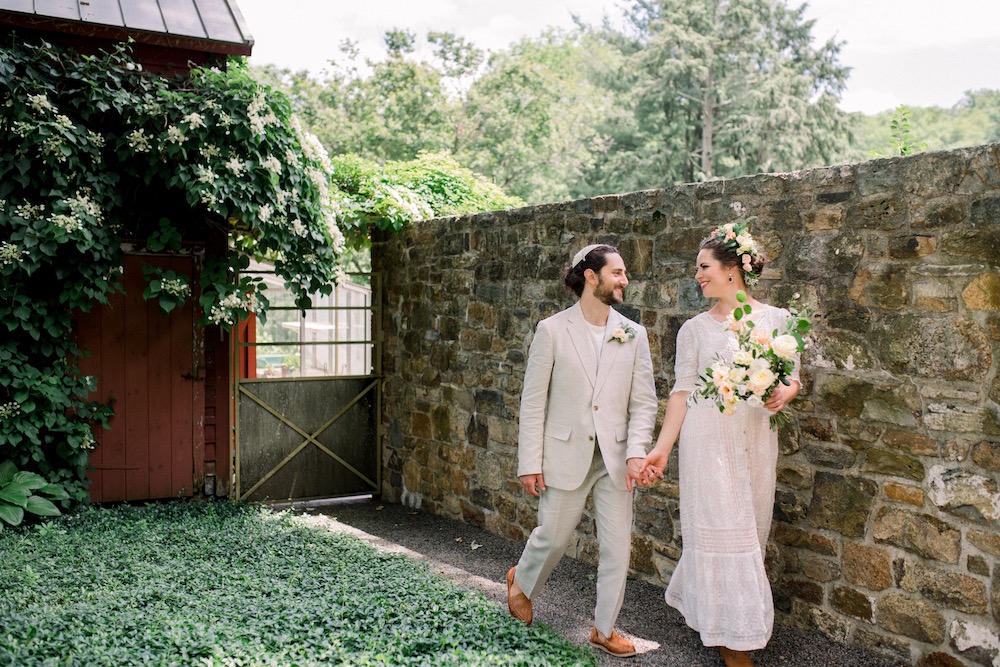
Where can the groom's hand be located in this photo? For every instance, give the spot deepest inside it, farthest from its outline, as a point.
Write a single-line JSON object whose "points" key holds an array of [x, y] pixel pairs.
{"points": [[633, 474], [533, 484]]}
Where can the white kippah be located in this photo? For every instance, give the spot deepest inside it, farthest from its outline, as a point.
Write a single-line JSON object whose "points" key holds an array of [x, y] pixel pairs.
{"points": [[578, 257]]}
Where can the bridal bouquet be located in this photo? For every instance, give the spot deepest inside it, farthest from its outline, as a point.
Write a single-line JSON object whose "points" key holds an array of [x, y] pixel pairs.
{"points": [[762, 361]]}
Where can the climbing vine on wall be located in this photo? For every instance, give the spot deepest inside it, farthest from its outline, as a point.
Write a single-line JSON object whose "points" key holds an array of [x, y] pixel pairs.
{"points": [[93, 152]]}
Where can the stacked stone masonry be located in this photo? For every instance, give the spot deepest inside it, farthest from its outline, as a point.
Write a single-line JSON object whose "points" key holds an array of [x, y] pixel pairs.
{"points": [[886, 528]]}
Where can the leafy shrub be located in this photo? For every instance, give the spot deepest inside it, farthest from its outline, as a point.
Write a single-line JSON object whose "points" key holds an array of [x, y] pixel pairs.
{"points": [[22, 492], [94, 151]]}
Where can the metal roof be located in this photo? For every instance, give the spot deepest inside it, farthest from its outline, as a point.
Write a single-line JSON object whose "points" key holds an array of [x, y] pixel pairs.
{"points": [[213, 26]]}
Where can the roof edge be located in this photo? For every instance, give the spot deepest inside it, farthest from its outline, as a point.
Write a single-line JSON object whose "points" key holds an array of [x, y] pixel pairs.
{"points": [[118, 34]]}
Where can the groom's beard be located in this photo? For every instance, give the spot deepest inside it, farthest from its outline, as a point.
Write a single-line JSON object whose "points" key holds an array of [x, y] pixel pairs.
{"points": [[606, 294]]}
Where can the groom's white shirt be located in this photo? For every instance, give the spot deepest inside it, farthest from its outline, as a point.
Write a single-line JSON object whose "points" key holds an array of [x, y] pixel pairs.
{"points": [[569, 403]]}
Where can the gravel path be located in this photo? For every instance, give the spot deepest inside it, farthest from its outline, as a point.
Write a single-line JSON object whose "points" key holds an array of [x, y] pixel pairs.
{"points": [[479, 560]]}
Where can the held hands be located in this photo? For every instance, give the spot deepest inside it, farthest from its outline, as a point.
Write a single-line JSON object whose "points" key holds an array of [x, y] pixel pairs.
{"points": [[645, 472], [653, 466]]}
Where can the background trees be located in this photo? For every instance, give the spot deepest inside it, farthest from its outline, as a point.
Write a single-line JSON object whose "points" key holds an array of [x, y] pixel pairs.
{"points": [[671, 91], [722, 88]]}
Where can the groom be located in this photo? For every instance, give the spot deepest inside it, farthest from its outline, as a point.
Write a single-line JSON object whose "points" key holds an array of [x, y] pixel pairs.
{"points": [[588, 408]]}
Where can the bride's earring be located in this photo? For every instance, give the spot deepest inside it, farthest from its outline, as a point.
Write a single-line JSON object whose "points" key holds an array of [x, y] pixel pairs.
{"points": [[730, 277]]}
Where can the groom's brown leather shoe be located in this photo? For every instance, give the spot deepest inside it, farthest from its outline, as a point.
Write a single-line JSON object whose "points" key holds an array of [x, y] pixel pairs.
{"points": [[615, 645], [519, 604]]}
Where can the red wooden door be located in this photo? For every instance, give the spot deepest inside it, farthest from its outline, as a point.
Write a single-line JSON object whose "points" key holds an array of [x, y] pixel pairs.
{"points": [[147, 364]]}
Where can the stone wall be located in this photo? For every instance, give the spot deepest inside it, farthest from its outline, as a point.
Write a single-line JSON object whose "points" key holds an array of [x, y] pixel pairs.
{"points": [[887, 515]]}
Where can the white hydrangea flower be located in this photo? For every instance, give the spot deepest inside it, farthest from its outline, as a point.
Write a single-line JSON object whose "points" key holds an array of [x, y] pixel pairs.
{"points": [[10, 253], [194, 120], [298, 228], [205, 175], [272, 164], [138, 140], [176, 287], [69, 223], [319, 180], [82, 204], [265, 212], [53, 146], [257, 124], [235, 165], [175, 135], [29, 212], [225, 311], [339, 242], [40, 102], [10, 409], [88, 440]]}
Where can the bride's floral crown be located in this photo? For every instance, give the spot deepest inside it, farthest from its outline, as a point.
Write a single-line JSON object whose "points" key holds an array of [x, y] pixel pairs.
{"points": [[735, 237]]}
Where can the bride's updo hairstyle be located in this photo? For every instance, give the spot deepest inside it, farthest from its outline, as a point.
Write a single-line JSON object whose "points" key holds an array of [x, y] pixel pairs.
{"points": [[732, 245], [592, 257]]}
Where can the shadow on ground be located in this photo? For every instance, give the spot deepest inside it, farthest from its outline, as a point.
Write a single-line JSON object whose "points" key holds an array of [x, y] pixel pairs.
{"points": [[479, 560]]}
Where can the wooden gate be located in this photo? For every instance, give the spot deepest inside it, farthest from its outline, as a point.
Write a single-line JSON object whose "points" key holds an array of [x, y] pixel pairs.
{"points": [[308, 396]]}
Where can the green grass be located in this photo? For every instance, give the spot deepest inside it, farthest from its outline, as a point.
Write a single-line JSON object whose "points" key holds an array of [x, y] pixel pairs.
{"points": [[231, 584]]}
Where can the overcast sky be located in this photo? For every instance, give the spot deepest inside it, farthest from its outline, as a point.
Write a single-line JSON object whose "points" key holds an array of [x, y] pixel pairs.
{"points": [[915, 52]]}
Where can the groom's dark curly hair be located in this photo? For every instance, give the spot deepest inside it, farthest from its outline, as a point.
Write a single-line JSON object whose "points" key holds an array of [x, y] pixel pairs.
{"points": [[595, 260]]}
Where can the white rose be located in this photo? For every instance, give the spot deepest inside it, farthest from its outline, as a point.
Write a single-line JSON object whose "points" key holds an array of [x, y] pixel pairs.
{"points": [[785, 346], [753, 400], [743, 358], [757, 364], [761, 380], [737, 374]]}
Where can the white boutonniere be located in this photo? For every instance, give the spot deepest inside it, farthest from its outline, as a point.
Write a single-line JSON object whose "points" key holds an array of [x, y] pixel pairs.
{"points": [[623, 335]]}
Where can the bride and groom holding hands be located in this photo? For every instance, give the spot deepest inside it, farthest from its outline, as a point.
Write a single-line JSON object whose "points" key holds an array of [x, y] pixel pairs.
{"points": [[587, 417]]}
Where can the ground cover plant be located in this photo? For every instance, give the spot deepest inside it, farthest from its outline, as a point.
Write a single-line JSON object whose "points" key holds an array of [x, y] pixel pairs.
{"points": [[224, 583]]}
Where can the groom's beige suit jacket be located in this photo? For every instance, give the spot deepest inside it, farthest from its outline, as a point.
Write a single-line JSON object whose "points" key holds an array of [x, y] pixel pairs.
{"points": [[569, 404]]}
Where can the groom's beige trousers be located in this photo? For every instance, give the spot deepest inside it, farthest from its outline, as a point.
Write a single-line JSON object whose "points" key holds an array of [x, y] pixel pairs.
{"points": [[559, 513]]}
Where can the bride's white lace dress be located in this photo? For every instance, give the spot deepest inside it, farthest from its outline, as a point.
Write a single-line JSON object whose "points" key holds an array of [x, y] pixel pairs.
{"points": [[727, 482]]}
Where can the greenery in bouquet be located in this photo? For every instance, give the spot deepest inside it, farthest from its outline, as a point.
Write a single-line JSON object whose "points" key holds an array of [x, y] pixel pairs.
{"points": [[763, 360]]}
